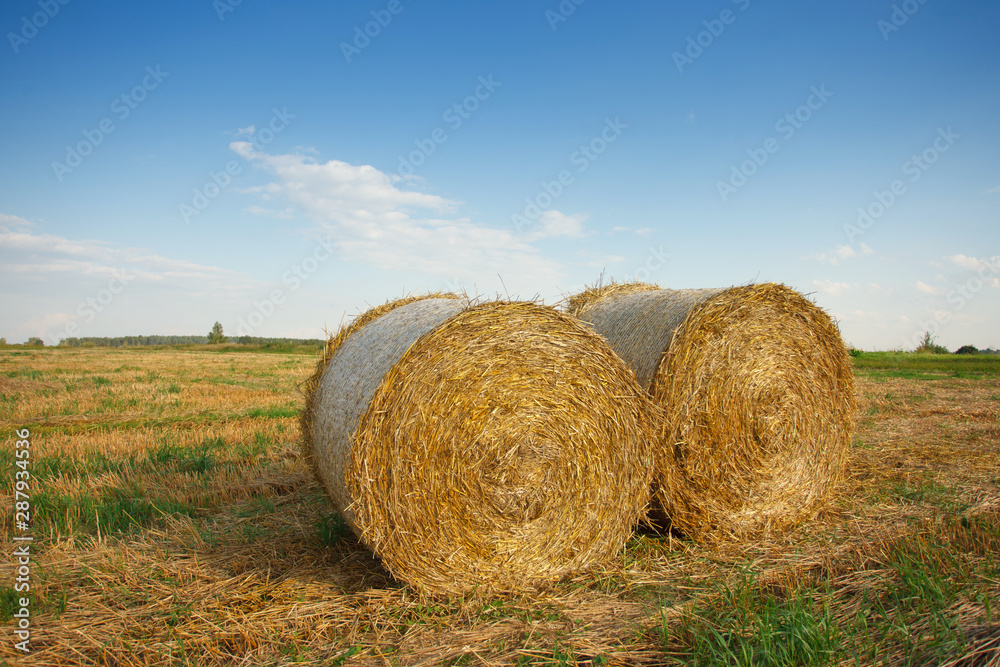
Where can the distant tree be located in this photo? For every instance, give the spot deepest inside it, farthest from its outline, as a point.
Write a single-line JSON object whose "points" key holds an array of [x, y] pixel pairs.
{"points": [[3, 341], [929, 346], [34, 340], [216, 335], [967, 349]]}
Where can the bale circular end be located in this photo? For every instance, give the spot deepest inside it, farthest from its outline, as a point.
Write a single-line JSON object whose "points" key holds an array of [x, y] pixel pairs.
{"points": [[506, 449], [757, 393]]}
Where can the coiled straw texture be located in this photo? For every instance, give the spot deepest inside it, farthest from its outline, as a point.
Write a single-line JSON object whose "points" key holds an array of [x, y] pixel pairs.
{"points": [[494, 448], [757, 394]]}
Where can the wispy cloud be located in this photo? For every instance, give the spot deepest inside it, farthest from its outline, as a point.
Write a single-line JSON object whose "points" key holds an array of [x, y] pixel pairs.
{"points": [[974, 263], [842, 253], [13, 222], [554, 224], [376, 222], [832, 287], [37, 256], [71, 280], [284, 214], [929, 289], [639, 231]]}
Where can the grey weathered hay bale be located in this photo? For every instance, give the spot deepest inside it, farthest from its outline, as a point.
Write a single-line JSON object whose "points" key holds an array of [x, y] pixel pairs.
{"points": [[496, 447], [757, 394]]}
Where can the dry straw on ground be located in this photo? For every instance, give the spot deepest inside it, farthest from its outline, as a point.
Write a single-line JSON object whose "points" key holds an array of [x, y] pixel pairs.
{"points": [[492, 448], [757, 391]]}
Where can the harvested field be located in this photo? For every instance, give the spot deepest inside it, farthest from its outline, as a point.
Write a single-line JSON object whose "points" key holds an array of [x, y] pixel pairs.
{"points": [[175, 522]]}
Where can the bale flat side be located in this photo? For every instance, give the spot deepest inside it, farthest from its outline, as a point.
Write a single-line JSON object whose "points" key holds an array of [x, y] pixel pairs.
{"points": [[578, 302], [352, 368], [639, 323]]}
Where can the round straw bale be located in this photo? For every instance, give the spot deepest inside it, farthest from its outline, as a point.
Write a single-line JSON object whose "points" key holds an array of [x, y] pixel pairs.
{"points": [[495, 447], [757, 394]]}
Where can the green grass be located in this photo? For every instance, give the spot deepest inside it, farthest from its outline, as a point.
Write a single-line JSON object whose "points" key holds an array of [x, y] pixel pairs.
{"points": [[748, 626], [10, 603], [274, 412], [905, 615], [926, 366], [89, 464], [199, 459], [111, 511], [923, 491], [259, 446]]}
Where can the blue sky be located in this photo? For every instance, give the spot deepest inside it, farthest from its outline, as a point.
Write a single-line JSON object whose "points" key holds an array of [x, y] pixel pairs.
{"points": [[274, 167]]}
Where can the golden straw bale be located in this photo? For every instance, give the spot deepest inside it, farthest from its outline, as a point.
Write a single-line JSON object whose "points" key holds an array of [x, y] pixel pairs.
{"points": [[496, 447], [757, 394]]}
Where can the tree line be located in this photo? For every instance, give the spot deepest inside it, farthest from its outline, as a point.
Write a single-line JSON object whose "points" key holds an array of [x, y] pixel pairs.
{"points": [[139, 341]]}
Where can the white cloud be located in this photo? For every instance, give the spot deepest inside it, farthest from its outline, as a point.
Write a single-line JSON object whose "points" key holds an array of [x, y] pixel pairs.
{"points": [[13, 222], [928, 289], [833, 288], [42, 326], [285, 214], [552, 224], [338, 190], [638, 231], [39, 255], [974, 263], [841, 253], [992, 190], [375, 222], [59, 279]]}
